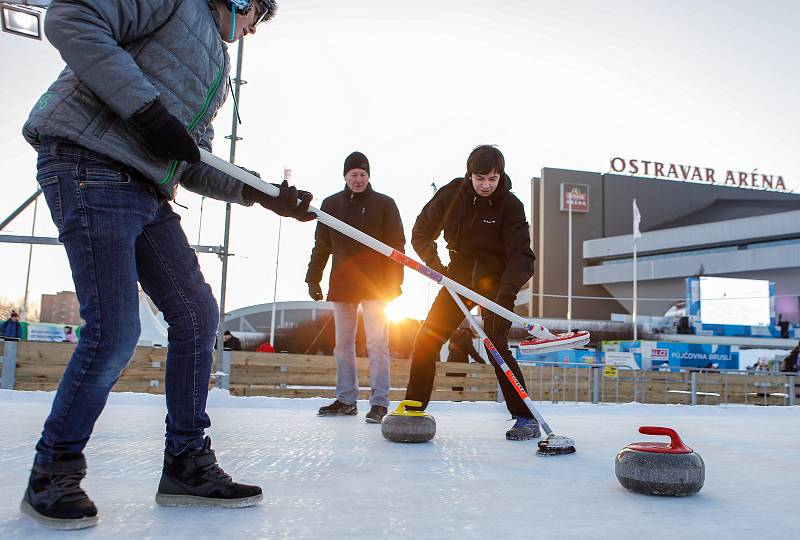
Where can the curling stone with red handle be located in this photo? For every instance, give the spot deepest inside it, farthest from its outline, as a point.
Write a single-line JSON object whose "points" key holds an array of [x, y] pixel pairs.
{"points": [[655, 468]]}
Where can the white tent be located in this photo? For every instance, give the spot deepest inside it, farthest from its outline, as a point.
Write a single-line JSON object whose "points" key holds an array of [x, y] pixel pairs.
{"points": [[154, 331]]}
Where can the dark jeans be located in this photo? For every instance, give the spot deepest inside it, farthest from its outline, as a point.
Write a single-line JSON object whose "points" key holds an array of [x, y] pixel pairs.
{"points": [[117, 230], [443, 318]]}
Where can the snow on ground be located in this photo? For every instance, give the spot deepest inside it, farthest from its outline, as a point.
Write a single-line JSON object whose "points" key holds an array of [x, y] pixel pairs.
{"points": [[338, 478]]}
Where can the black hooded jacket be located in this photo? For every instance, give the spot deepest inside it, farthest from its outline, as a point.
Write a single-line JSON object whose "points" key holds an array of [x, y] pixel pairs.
{"points": [[488, 237], [358, 272]]}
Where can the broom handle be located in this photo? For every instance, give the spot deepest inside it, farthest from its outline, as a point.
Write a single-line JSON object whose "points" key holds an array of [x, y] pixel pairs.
{"points": [[253, 181], [500, 362]]}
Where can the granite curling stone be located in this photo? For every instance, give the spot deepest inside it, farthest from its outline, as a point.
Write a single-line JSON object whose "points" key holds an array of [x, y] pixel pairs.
{"points": [[406, 426], [654, 468]]}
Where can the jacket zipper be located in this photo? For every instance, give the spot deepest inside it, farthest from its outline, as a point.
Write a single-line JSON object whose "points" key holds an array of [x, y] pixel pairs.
{"points": [[173, 165]]}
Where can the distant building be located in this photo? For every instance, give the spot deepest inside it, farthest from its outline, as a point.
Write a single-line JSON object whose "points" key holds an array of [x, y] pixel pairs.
{"points": [[710, 227], [61, 308], [258, 318]]}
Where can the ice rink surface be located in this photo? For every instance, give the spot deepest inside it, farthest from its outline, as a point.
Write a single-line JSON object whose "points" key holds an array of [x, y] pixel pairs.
{"points": [[338, 478]]}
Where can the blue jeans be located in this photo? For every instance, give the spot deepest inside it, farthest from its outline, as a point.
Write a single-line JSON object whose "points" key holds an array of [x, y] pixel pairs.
{"points": [[345, 316], [118, 230]]}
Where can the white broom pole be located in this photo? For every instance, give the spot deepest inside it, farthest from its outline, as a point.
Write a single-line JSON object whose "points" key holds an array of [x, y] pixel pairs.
{"points": [[253, 181], [500, 362]]}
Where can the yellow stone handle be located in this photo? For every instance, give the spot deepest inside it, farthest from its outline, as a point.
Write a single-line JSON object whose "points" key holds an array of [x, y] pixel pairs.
{"points": [[401, 408]]}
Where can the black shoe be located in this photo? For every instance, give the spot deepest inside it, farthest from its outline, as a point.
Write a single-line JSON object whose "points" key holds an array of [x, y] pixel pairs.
{"points": [[54, 496], [337, 408], [195, 479], [376, 414]]}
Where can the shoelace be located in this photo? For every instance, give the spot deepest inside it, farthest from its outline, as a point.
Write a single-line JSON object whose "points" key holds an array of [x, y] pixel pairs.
{"points": [[215, 473], [66, 486]]}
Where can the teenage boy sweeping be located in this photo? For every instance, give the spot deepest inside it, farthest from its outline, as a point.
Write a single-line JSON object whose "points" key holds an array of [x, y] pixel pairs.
{"points": [[488, 239]]}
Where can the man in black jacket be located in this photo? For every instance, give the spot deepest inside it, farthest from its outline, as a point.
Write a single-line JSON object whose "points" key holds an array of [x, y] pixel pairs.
{"points": [[359, 275], [489, 243]]}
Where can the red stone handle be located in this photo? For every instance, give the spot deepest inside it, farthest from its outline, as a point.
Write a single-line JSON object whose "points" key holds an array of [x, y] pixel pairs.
{"points": [[675, 441]]}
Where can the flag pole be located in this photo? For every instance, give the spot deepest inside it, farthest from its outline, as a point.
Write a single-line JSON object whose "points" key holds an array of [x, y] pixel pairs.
{"points": [[635, 241], [287, 175], [636, 235], [569, 263]]}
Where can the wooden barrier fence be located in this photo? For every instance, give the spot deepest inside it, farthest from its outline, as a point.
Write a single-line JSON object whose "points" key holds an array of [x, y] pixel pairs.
{"points": [[41, 365]]}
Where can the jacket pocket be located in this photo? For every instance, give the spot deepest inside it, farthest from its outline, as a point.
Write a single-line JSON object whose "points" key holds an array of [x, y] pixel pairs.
{"points": [[104, 121]]}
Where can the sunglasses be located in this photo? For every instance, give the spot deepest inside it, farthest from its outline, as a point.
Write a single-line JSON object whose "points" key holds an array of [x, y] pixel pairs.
{"points": [[261, 12]]}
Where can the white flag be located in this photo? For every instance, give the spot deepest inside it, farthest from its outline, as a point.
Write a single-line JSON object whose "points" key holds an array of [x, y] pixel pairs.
{"points": [[637, 217]]}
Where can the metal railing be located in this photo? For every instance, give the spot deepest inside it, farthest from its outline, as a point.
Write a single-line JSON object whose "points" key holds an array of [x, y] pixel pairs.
{"points": [[607, 383]]}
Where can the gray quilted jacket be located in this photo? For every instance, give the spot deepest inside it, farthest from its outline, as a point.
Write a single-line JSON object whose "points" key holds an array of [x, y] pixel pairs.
{"points": [[121, 55]]}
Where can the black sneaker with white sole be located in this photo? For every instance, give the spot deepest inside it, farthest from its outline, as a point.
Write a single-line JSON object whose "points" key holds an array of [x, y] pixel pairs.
{"points": [[376, 414], [523, 429], [195, 479], [337, 408], [54, 497]]}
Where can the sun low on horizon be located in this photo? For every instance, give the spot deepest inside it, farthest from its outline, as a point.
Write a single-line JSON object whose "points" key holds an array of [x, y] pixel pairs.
{"points": [[407, 306]]}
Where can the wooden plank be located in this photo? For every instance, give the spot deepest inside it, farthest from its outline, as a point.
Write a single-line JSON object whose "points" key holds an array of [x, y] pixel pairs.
{"points": [[329, 379], [37, 386], [41, 365], [394, 395]]}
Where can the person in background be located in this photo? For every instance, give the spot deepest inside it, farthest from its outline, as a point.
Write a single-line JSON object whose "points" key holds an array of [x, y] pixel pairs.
{"points": [[790, 364], [266, 347], [359, 276], [461, 348], [232, 342], [12, 329], [116, 134]]}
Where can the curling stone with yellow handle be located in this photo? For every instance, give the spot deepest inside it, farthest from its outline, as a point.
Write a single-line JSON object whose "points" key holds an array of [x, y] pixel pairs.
{"points": [[402, 425]]}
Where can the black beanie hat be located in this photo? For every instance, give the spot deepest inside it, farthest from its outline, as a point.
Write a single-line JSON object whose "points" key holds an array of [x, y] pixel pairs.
{"points": [[356, 160]]}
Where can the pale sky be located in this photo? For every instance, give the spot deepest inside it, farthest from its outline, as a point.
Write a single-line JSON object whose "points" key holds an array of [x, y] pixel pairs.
{"points": [[416, 85]]}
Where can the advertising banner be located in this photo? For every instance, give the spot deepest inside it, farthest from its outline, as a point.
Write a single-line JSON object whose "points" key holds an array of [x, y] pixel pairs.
{"points": [[53, 333], [665, 355]]}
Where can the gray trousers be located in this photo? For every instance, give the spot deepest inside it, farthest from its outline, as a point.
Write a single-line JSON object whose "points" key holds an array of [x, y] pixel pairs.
{"points": [[346, 317]]}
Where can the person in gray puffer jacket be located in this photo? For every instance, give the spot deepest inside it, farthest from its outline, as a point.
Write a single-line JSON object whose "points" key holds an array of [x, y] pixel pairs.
{"points": [[115, 134]]}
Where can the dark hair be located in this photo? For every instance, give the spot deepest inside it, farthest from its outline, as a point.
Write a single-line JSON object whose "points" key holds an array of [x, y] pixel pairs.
{"points": [[485, 159], [227, 333]]}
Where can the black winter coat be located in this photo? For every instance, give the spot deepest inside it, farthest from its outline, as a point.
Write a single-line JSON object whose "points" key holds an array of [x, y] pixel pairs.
{"points": [[488, 237], [358, 272]]}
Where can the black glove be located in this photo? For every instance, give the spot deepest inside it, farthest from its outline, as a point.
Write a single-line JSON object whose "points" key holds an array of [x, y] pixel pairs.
{"points": [[164, 135], [285, 204], [315, 291], [494, 324]]}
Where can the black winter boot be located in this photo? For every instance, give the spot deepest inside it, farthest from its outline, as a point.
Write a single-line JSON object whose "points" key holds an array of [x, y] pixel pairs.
{"points": [[54, 497], [195, 479]]}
